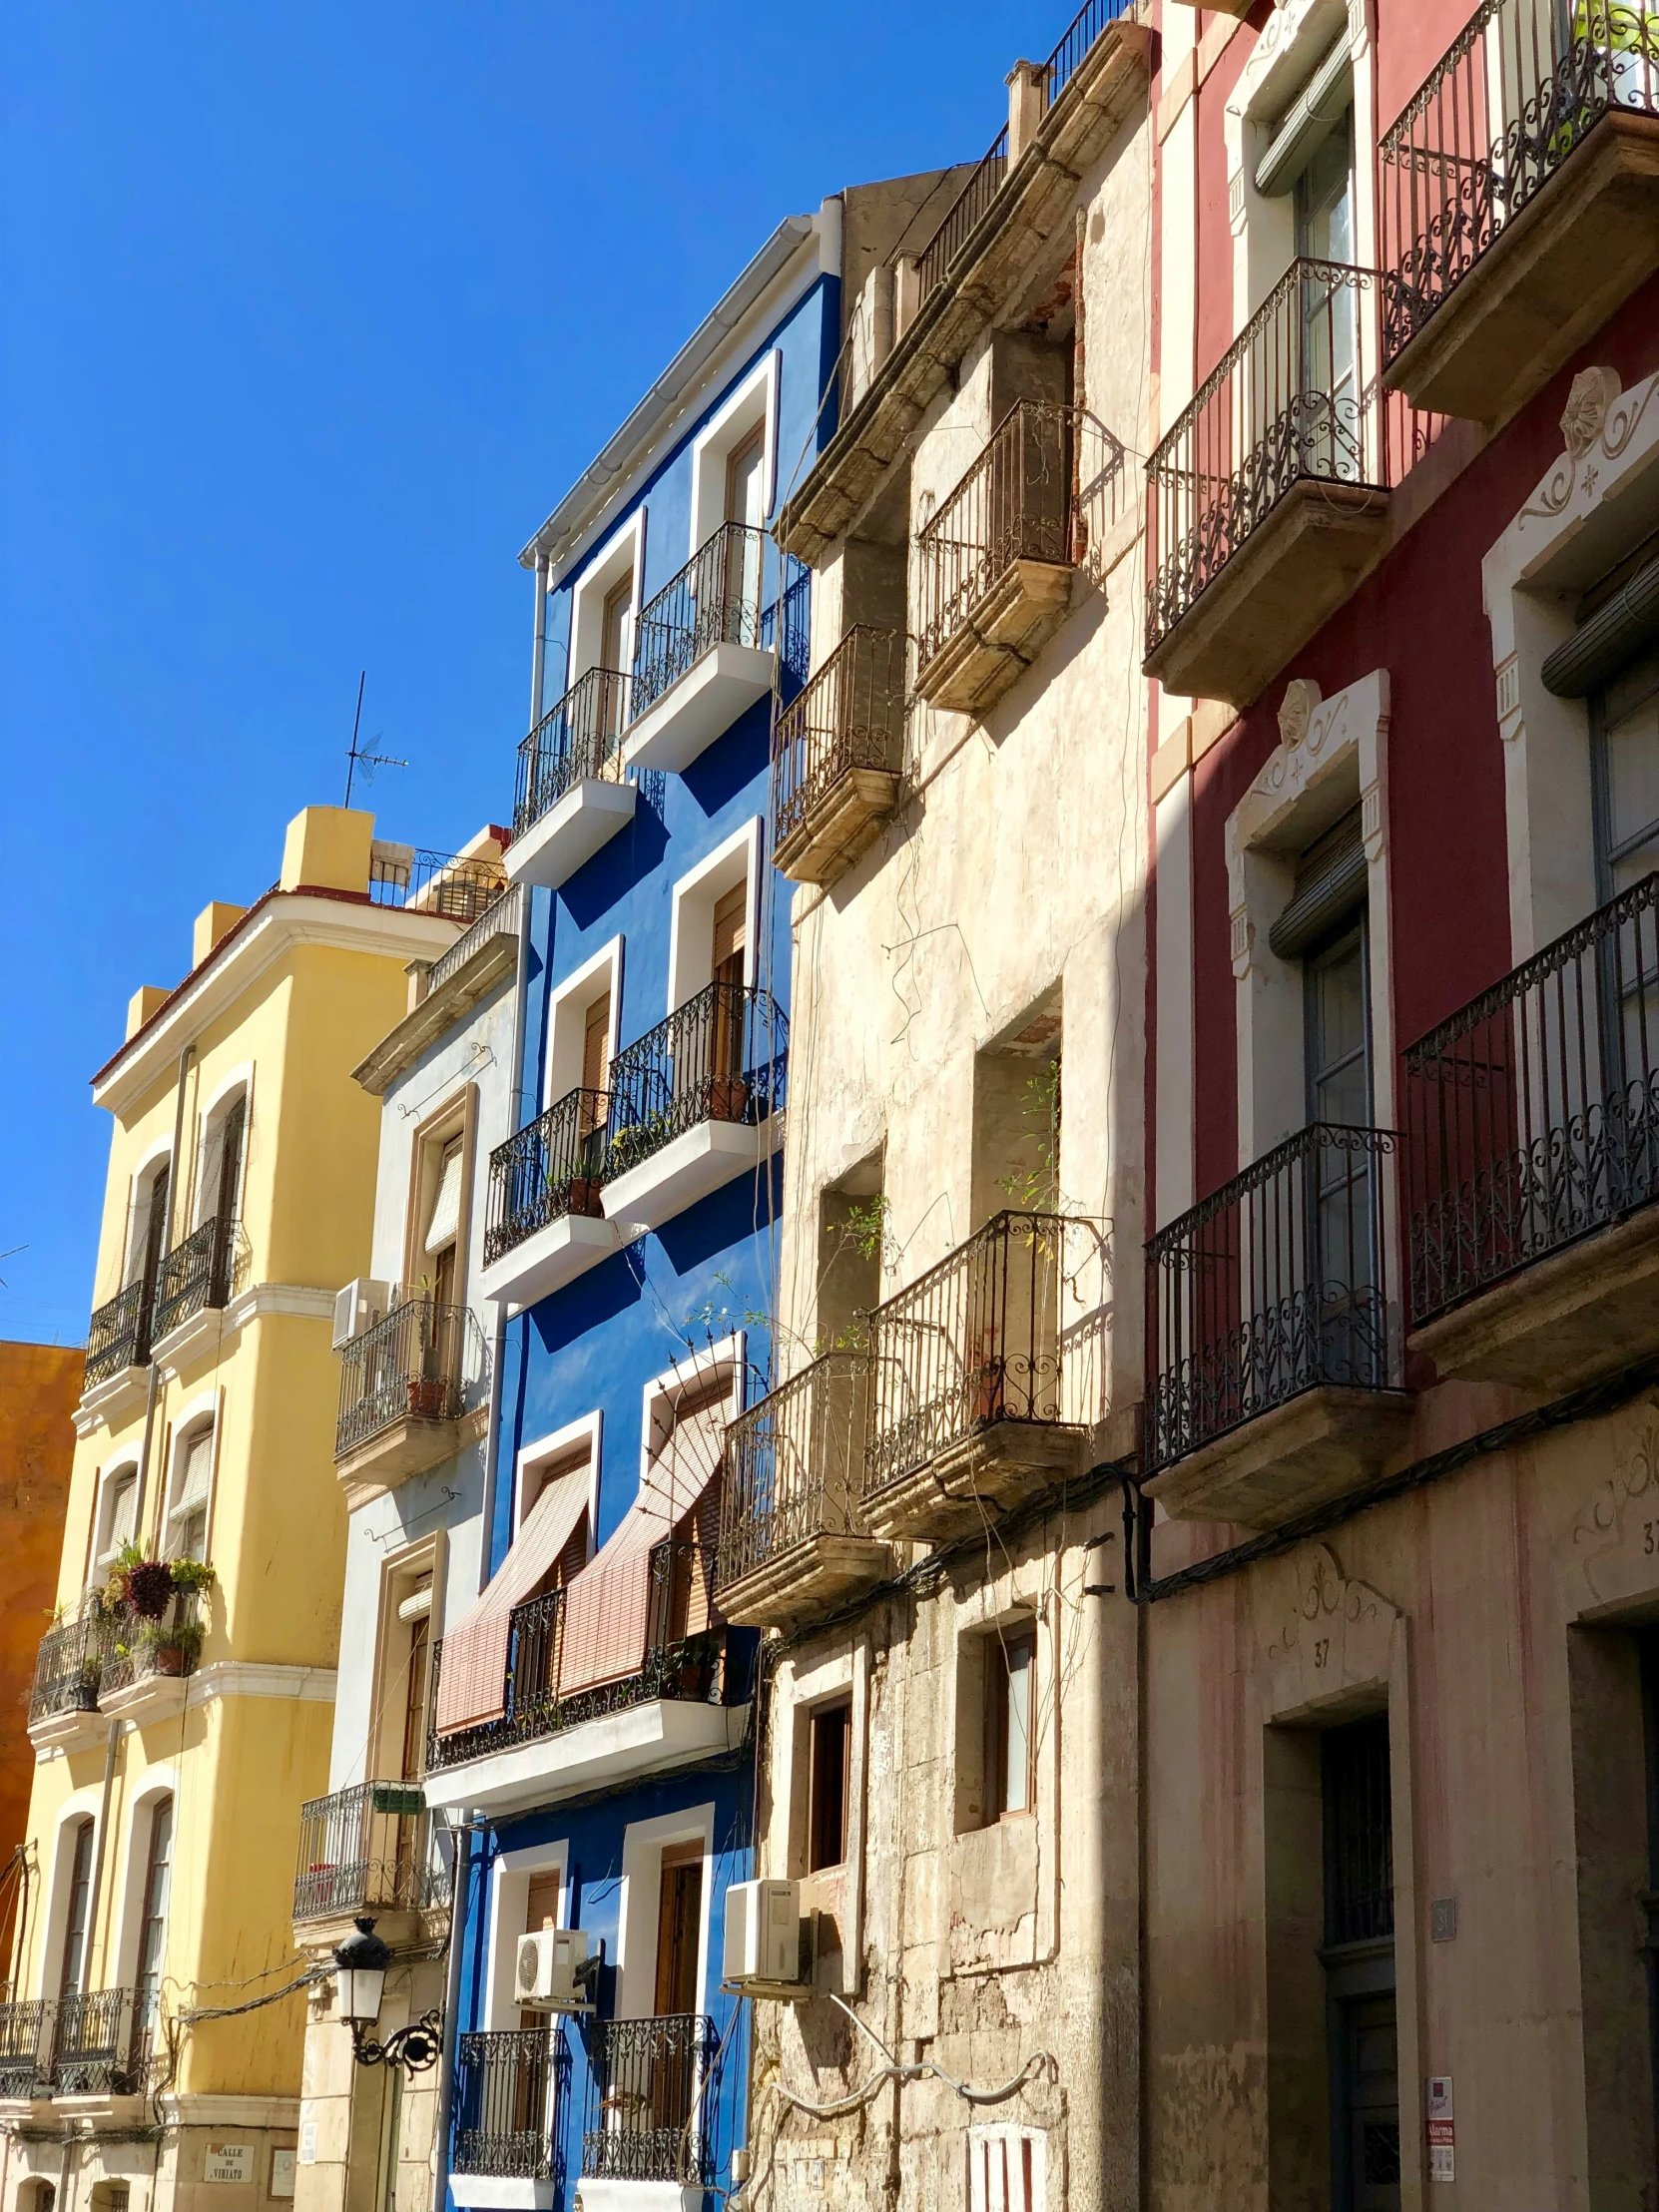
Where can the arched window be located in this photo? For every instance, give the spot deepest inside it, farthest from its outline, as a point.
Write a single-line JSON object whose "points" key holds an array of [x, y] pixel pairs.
{"points": [[187, 1517], [152, 1943], [36, 2195], [117, 1515], [71, 1976], [146, 1235], [224, 1147]]}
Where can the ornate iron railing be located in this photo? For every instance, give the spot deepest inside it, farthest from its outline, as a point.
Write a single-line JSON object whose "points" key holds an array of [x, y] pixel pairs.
{"points": [[1532, 1114], [717, 599], [850, 716], [500, 918], [553, 1166], [434, 883], [119, 1334], [719, 1057], [25, 2047], [137, 1650], [980, 1340], [367, 1849], [69, 1668], [100, 2044], [1518, 91], [1013, 504], [963, 215], [196, 1274], [1274, 1285], [578, 740], [1293, 399], [510, 2085], [422, 1360], [794, 1465], [645, 2097]]}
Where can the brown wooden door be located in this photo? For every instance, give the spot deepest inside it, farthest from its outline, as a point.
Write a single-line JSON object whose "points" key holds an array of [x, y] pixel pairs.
{"points": [[679, 1929], [541, 1909]]}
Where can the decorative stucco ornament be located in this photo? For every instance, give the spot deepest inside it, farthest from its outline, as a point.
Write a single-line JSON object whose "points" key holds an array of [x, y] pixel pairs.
{"points": [[1296, 708], [1593, 392]]}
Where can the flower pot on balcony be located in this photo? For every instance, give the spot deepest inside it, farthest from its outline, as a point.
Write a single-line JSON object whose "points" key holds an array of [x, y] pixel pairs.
{"points": [[168, 1659], [586, 1196], [427, 1397], [728, 1098]]}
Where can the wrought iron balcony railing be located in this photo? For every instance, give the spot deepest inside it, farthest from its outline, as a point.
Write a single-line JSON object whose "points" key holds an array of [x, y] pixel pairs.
{"points": [[1013, 504], [1274, 1285], [510, 2085], [794, 1465], [25, 2047], [1519, 90], [135, 1650], [850, 716], [196, 1275], [719, 1057], [553, 1166], [578, 740], [434, 883], [119, 1334], [101, 2044], [500, 918], [367, 1849], [1532, 1115], [69, 1668], [423, 1361], [687, 1668], [975, 1341], [1292, 400], [717, 599], [647, 2080]]}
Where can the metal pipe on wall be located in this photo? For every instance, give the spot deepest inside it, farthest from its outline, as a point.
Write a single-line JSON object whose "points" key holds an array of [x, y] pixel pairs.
{"points": [[538, 644], [186, 1056]]}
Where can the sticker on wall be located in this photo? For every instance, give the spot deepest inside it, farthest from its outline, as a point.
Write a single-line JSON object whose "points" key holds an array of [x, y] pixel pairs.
{"points": [[1442, 2150], [282, 2169], [308, 2142], [229, 2162]]}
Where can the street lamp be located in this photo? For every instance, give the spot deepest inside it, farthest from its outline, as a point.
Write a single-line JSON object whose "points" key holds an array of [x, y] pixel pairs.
{"points": [[360, 1965]]}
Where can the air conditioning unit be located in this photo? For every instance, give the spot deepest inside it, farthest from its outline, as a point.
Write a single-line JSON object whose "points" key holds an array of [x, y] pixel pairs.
{"points": [[763, 1939], [359, 1307], [550, 1970]]}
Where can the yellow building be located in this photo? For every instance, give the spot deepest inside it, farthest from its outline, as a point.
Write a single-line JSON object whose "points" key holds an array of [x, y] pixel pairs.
{"points": [[177, 1730]]}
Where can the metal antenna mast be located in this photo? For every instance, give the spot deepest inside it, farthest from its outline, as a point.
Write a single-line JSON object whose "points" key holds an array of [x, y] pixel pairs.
{"points": [[356, 757]]}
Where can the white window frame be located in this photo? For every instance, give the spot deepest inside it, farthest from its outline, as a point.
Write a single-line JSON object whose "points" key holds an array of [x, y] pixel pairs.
{"points": [[126, 1465], [208, 1121], [201, 1411], [622, 555], [643, 1844], [158, 1782], [752, 405], [143, 1174], [690, 934], [83, 1805], [557, 1444], [688, 1378], [509, 1899], [567, 1008]]}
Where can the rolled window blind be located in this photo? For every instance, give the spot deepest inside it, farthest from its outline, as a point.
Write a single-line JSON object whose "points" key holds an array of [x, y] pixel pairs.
{"points": [[1330, 883], [1308, 121], [447, 1207], [1600, 646]]}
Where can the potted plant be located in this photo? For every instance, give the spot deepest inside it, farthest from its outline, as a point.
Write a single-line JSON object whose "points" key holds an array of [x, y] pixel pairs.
{"points": [[429, 1388], [169, 1648]]}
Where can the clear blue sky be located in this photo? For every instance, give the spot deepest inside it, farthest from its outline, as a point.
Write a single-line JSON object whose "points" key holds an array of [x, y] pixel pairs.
{"points": [[307, 315]]}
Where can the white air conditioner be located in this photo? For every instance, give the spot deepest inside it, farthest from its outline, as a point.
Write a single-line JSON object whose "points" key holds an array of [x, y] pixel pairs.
{"points": [[550, 1970], [763, 1937], [360, 1305]]}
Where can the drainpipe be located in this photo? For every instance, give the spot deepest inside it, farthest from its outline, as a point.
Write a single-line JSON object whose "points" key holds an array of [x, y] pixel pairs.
{"points": [[185, 1059], [538, 645], [460, 1895]]}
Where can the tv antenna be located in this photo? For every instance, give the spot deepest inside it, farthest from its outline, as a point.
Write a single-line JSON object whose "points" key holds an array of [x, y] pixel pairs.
{"points": [[362, 756]]}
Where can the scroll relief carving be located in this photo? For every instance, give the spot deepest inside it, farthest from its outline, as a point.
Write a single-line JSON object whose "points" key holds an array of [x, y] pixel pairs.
{"points": [[1616, 1537], [1336, 1635], [1597, 423]]}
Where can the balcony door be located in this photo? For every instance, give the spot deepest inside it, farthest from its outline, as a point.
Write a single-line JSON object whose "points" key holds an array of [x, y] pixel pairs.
{"points": [[1329, 428], [1619, 1166], [157, 1890], [727, 953], [1340, 1317], [746, 508], [614, 657], [672, 2085], [72, 1971], [1358, 1960]]}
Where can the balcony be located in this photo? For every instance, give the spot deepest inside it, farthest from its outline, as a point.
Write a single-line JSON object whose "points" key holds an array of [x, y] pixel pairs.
{"points": [[459, 886], [835, 757], [1521, 200], [118, 1352], [560, 1733], [996, 561], [986, 1384], [1268, 498], [572, 796], [102, 2044], [369, 1849], [511, 2089], [646, 2084], [63, 1703], [1532, 1155], [409, 1384], [792, 1535], [693, 1102], [1274, 1336], [704, 651], [484, 952], [26, 2049], [545, 1223], [194, 1282], [145, 1665]]}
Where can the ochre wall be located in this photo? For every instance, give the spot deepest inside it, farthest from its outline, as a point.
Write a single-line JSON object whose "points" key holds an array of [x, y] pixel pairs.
{"points": [[40, 1386]]}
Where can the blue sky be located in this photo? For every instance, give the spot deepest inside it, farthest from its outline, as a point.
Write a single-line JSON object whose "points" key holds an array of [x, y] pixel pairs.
{"points": [[310, 315]]}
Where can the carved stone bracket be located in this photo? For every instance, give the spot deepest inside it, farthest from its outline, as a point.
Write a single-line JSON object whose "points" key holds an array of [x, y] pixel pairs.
{"points": [[1336, 1637]]}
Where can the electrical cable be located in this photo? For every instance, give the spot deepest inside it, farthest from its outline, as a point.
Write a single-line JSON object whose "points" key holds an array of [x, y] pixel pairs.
{"points": [[896, 2069]]}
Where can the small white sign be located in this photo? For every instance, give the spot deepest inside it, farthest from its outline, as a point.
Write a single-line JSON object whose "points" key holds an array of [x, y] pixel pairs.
{"points": [[229, 2162], [282, 2170], [1443, 2136], [308, 2142]]}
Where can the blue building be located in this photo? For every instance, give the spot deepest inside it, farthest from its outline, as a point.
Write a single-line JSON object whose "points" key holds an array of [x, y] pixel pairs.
{"points": [[593, 1717]]}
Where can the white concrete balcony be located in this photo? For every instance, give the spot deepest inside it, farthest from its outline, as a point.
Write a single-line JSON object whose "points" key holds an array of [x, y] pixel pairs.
{"points": [[707, 650], [546, 1223], [572, 796]]}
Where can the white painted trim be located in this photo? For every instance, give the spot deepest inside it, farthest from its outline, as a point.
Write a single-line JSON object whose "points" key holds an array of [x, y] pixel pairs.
{"points": [[643, 1844], [81, 1805], [260, 1300], [205, 1409], [139, 1175], [752, 403], [508, 1902], [690, 933], [687, 1377], [569, 1000], [199, 2109], [127, 1461], [587, 1428], [1173, 1095], [240, 1078], [622, 555], [158, 1782], [260, 1678]]}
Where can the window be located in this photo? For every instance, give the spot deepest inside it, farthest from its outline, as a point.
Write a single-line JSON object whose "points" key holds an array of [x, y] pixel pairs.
{"points": [[414, 1696], [679, 1929], [72, 1974], [158, 1886], [186, 1522], [1624, 772], [541, 1911], [1359, 1957], [613, 645], [148, 1241], [1010, 1718], [596, 1068], [831, 1743], [444, 1224], [1005, 2169], [117, 1515], [221, 1158]]}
